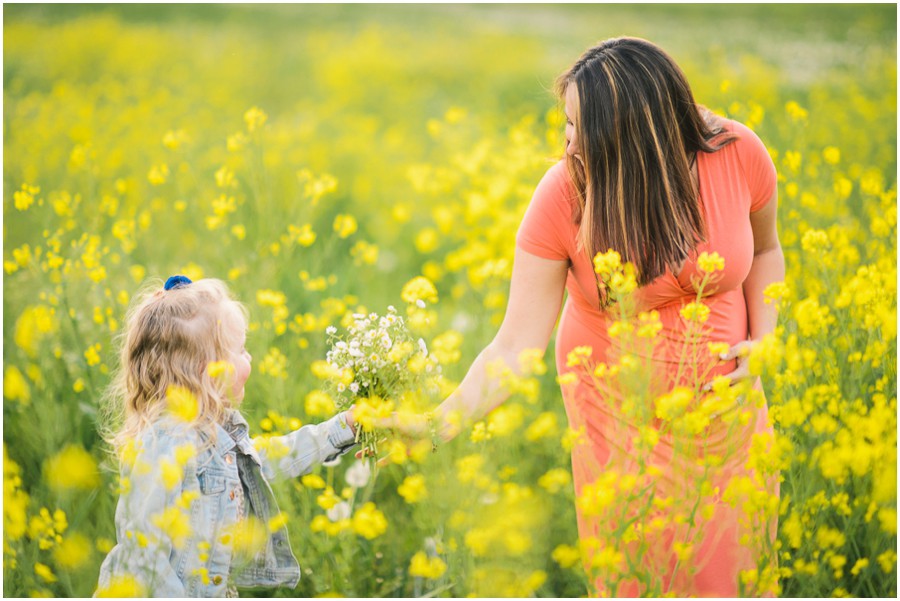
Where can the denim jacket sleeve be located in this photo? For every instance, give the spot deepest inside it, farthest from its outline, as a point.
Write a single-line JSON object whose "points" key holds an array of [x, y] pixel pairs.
{"points": [[298, 452], [151, 515]]}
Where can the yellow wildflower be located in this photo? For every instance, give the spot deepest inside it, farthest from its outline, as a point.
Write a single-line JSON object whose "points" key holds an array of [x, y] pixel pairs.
{"points": [[122, 586], [319, 403], [345, 225], [672, 404], [73, 552], [174, 523], [171, 474], [255, 118], [607, 263], [369, 522], [419, 290], [545, 425], [566, 556], [72, 469], [413, 488], [182, 403], [695, 311], [44, 572], [15, 387], [426, 567], [217, 369], [710, 262], [313, 481], [554, 480], [158, 174]]}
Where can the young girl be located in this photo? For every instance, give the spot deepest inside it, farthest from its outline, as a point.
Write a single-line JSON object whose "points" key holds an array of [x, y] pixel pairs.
{"points": [[196, 516]]}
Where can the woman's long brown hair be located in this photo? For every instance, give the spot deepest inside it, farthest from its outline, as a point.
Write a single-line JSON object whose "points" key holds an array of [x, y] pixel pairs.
{"points": [[639, 129]]}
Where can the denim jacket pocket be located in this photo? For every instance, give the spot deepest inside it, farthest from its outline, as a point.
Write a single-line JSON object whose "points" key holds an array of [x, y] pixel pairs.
{"points": [[211, 482]]}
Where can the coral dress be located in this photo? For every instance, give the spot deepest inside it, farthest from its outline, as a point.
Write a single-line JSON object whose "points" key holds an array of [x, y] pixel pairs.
{"points": [[734, 181]]}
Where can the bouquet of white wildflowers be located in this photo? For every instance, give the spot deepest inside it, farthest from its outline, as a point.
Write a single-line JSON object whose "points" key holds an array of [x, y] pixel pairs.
{"points": [[375, 365]]}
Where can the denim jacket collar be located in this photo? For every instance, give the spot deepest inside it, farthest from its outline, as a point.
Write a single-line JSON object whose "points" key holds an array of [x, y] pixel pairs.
{"points": [[234, 432]]}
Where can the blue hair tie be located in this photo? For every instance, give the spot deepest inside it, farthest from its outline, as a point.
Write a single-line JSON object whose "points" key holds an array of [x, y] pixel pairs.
{"points": [[176, 281]]}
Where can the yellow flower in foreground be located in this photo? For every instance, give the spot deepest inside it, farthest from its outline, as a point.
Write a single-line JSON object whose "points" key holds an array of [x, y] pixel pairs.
{"points": [[73, 468], [182, 403], [255, 118], [606, 263], [369, 522], [174, 523], [345, 225], [24, 198], [73, 552], [170, 473], [670, 405], [413, 488], [218, 369], [649, 324], [158, 174], [45, 573], [426, 567], [578, 355], [15, 387], [544, 426], [565, 556], [774, 292], [319, 403], [312, 481], [419, 290], [710, 262], [554, 480], [695, 311], [122, 586], [32, 326], [249, 537], [278, 522]]}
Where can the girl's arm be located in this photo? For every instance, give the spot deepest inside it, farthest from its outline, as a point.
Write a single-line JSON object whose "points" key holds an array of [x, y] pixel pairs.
{"points": [[297, 453], [535, 296]]}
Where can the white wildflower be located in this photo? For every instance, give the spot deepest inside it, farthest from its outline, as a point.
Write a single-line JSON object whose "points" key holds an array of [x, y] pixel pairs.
{"points": [[339, 512], [357, 474]]}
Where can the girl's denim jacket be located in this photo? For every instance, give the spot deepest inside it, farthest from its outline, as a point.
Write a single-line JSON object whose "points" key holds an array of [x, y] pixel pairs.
{"points": [[178, 507]]}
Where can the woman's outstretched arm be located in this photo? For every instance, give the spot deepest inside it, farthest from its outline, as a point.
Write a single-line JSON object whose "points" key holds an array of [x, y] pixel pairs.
{"points": [[535, 296]]}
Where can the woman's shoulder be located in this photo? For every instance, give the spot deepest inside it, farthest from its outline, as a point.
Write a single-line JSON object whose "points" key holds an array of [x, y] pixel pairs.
{"points": [[556, 185], [558, 174], [744, 137]]}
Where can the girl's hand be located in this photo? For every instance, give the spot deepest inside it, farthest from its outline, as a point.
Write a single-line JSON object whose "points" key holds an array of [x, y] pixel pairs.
{"points": [[350, 419], [741, 352], [408, 427]]}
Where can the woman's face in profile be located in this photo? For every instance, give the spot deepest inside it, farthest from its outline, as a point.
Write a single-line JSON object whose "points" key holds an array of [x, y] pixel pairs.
{"points": [[573, 148]]}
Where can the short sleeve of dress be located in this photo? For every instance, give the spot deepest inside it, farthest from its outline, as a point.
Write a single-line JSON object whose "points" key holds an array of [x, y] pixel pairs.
{"points": [[758, 167], [547, 218]]}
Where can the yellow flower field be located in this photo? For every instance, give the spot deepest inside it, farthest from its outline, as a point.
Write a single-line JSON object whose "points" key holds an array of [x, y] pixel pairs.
{"points": [[326, 160]]}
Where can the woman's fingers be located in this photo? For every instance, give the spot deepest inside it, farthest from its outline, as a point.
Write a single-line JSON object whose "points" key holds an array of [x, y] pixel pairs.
{"points": [[741, 349], [740, 372]]}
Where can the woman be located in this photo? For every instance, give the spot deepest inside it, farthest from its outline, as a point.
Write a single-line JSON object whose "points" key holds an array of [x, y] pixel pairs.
{"points": [[653, 176]]}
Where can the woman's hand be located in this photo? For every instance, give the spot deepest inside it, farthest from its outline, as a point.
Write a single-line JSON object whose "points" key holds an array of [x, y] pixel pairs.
{"points": [[741, 352], [408, 427]]}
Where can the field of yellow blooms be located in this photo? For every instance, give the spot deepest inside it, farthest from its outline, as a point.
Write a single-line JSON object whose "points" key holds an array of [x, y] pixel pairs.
{"points": [[321, 158]]}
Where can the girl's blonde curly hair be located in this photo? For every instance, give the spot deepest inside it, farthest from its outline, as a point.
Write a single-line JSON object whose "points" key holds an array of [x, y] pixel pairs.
{"points": [[169, 340]]}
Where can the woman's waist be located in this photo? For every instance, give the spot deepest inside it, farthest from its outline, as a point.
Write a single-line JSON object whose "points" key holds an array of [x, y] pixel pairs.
{"points": [[666, 341]]}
